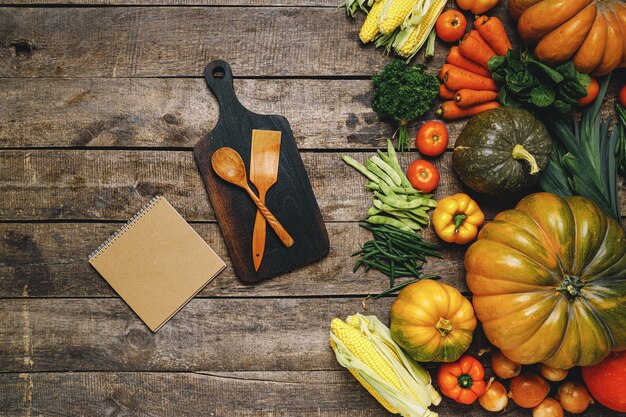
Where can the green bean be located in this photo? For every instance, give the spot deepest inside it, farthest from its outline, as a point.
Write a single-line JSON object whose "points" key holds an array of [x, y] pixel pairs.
{"points": [[407, 205], [387, 168], [373, 168], [411, 223], [372, 211], [388, 221], [399, 190], [359, 167]]}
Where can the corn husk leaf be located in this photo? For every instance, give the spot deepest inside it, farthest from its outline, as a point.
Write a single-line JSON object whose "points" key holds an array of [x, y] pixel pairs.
{"points": [[413, 377]]}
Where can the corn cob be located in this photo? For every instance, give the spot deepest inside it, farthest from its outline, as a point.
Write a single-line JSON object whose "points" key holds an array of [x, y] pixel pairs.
{"points": [[369, 30], [411, 39], [364, 347], [394, 13]]}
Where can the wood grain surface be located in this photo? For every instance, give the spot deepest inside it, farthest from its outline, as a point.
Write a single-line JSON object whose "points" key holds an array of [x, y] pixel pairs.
{"points": [[101, 102], [324, 114]]}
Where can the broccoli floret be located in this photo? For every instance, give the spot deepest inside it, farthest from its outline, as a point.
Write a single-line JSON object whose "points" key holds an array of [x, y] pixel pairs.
{"points": [[402, 93]]}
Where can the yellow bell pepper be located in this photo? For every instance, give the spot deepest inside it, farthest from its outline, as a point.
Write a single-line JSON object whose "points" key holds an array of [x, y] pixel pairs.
{"points": [[456, 219], [477, 6]]}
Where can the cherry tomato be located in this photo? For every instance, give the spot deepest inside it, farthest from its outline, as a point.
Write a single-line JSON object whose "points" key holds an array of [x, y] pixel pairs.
{"points": [[423, 175], [451, 26], [592, 92], [432, 138], [622, 96]]}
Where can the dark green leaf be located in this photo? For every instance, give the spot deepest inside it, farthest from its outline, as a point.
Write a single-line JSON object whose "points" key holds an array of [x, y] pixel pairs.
{"points": [[542, 95], [553, 74], [496, 61], [562, 107]]}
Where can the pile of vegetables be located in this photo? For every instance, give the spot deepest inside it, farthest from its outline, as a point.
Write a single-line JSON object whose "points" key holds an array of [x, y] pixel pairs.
{"points": [[395, 201], [583, 161], [590, 32], [548, 278], [467, 84], [528, 83], [403, 26], [402, 93], [364, 346]]}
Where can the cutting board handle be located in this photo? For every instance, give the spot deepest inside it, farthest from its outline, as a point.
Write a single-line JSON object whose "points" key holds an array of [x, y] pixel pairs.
{"points": [[219, 78]]}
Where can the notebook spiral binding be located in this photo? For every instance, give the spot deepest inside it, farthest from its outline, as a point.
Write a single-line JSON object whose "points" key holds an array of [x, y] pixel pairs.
{"points": [[124, 228]]}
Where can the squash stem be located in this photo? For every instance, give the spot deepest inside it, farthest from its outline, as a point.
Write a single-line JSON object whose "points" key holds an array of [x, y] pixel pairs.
{"points": [[443, 326], [520, 153], [458, 219]]}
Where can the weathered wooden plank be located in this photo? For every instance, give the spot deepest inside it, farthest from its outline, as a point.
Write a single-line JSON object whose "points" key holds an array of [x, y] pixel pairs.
{"points": [[131, 42], [226, 394], [105, 185], [219, 394], [49, 260], [166, 112], [231, 3], [159, 112], [208, 334], [323, 113]]}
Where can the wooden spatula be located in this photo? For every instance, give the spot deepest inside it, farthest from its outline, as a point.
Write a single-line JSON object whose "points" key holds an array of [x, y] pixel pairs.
{"points": [[264, 158]]}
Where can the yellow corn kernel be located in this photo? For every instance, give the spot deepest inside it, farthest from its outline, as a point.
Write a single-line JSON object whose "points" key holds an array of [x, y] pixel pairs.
{"points": [[369, 30], [393, 14], [369, 388], [419, 33], [362, 348]]}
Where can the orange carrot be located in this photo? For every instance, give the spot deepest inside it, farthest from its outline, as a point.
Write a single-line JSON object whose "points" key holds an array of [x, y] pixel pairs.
{"points": [[474, 47], [492, 31], [449, 110], [457, 79], [445, 93], [444, 69], [455, 58], [468, 98]]}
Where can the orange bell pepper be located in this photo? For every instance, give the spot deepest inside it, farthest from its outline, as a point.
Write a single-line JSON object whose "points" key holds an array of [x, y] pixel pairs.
{"points": [[463, 381], [456, 219], [477, 6]]}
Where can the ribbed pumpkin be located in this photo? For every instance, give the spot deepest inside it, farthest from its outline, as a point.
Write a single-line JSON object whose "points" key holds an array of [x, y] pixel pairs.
{"points": [[591, 32], [549, 282], [432, 321]]}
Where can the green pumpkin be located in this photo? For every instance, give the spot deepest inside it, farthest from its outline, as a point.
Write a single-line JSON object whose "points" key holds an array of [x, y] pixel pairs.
{"points": [[502, 151]]}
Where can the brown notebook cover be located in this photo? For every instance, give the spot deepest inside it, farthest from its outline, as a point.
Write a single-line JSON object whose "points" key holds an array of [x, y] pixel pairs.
{"points": [[156, 262]]}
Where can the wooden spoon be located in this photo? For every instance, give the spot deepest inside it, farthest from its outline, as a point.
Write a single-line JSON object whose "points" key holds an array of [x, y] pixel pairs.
{"points": [[227, 163]]}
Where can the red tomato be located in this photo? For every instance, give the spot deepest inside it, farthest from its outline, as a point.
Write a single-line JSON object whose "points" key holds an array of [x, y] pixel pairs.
{"points": [[423, 175], [592, 92], [451, 26], [606, 381], [622, 96], [432, 138]]}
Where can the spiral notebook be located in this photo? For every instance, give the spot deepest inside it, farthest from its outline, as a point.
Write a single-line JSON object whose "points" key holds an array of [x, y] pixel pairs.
{"points": [[156, 262]]}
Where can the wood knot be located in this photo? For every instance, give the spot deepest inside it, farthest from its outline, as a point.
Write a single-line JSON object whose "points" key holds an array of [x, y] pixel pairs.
{"points": [[171, 119], [22, 48], [140, 338]]}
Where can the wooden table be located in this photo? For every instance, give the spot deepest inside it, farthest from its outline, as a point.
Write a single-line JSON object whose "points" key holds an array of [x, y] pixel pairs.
{"points": [[100, 104]]}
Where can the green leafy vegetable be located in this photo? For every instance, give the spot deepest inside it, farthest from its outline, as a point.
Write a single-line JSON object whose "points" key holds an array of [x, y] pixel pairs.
{"points": [[620, 152], [528, 83], [583, 160], [402, 93]]}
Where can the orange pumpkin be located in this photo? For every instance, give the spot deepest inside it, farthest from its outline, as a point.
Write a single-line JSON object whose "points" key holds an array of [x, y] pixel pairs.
{"points": [[549, 282], [591, 32]]}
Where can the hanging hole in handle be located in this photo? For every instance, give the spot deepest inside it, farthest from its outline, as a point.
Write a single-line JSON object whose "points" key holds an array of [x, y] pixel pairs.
{"points": [[218, 72]]}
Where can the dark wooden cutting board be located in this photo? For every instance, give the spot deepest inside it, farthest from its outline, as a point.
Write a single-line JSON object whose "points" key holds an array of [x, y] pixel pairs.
{"points": [[291, 199]]}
